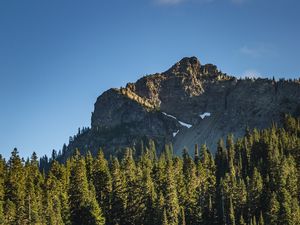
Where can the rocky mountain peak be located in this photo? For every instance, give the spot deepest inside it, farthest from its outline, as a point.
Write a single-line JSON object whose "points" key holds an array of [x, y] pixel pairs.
{"points": [[186, 66], [189, 103]]}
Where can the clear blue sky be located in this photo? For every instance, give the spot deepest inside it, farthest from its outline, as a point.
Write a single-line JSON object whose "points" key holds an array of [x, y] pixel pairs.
{"points": [[57, 56]]}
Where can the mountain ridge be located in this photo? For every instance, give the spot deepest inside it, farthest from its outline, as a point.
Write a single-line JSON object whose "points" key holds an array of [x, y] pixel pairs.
{"points": [[159, 106]]}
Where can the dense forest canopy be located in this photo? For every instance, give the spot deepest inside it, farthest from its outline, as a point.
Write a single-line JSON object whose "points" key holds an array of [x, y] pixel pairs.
{"points": [[253, 180]]}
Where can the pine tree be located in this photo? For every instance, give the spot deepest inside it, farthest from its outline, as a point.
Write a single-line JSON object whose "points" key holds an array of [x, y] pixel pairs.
{"points": [[165, 218], [221, 161], [196, 154], [160, 211], [150, 196], [181, 181], [83, 205], [254, 220], [15, 188], [188, 193], [118, 196], [53, 204], [182, 217], [171, 200], [56, 192], [1, 212], [261, 219], [89, 163], [10, 212], [56, 199], [231, 154], [158, 173], [273, 210], [285, 212], [242, 221], [134, 205], [33, 201], [255, 191], [2, 177], [231, 213], [221, 169], [295, 210], [103, 183]]}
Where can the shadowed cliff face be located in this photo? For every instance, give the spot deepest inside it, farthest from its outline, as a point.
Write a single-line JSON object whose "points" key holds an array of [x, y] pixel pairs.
{"points": [[189, 103]]}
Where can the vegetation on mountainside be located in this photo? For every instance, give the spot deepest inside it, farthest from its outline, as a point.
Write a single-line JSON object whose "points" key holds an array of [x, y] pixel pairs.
{"points": [[253, 180]]}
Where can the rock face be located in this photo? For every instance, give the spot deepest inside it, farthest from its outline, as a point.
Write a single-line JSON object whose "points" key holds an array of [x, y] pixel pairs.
{"points": [[189, 103]]}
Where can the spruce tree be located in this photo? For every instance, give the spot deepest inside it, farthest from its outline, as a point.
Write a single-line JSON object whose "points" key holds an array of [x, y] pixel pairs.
{"points": [[53, 208], [196, 154], [189, 175], [254, 220], [10, 212], [33, 201], [2, 177], [1, 212], [134, 207], [118, 196], [231, 213], [221, 161], [15, 188], [255, 190], [182, 217], [171, 200], [83, 205], [160, 211], [231, 154], [285, 212], [149, 193], [242, 221], [273, 210], [261, 219], [56, 192], [103, 183], [165, 218], [89, 163]]}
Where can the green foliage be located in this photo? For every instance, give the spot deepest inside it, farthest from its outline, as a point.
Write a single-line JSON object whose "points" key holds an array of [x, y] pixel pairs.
{"points": [[231, 213], [2, 177], [254, 180], [101, 178], [170, 193], [118, 196], [273, 210], [84, 208]]}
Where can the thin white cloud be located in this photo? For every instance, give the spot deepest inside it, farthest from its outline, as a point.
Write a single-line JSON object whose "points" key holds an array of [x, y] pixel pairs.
{"points": [[251, 74], [169, 2], [257, 51], [176, 2], [238, 2], [254, 52]]}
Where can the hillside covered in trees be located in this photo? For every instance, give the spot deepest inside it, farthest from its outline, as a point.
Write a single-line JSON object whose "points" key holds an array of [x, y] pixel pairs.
{"points": [[251, 180]]}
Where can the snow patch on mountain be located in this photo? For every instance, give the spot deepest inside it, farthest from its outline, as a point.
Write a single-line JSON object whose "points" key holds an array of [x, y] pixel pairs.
{"points": [[181, 123], [168, 115], [206, 114], [175, 133], [185, 124]]}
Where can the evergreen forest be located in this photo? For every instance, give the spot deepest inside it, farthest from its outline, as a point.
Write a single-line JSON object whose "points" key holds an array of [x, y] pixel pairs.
{"points": [[253, 180]]}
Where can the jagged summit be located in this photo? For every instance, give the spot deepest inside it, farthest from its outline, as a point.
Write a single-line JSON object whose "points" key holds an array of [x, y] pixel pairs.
{"points": [[187, 104], [186, 66], [191, 66]]}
